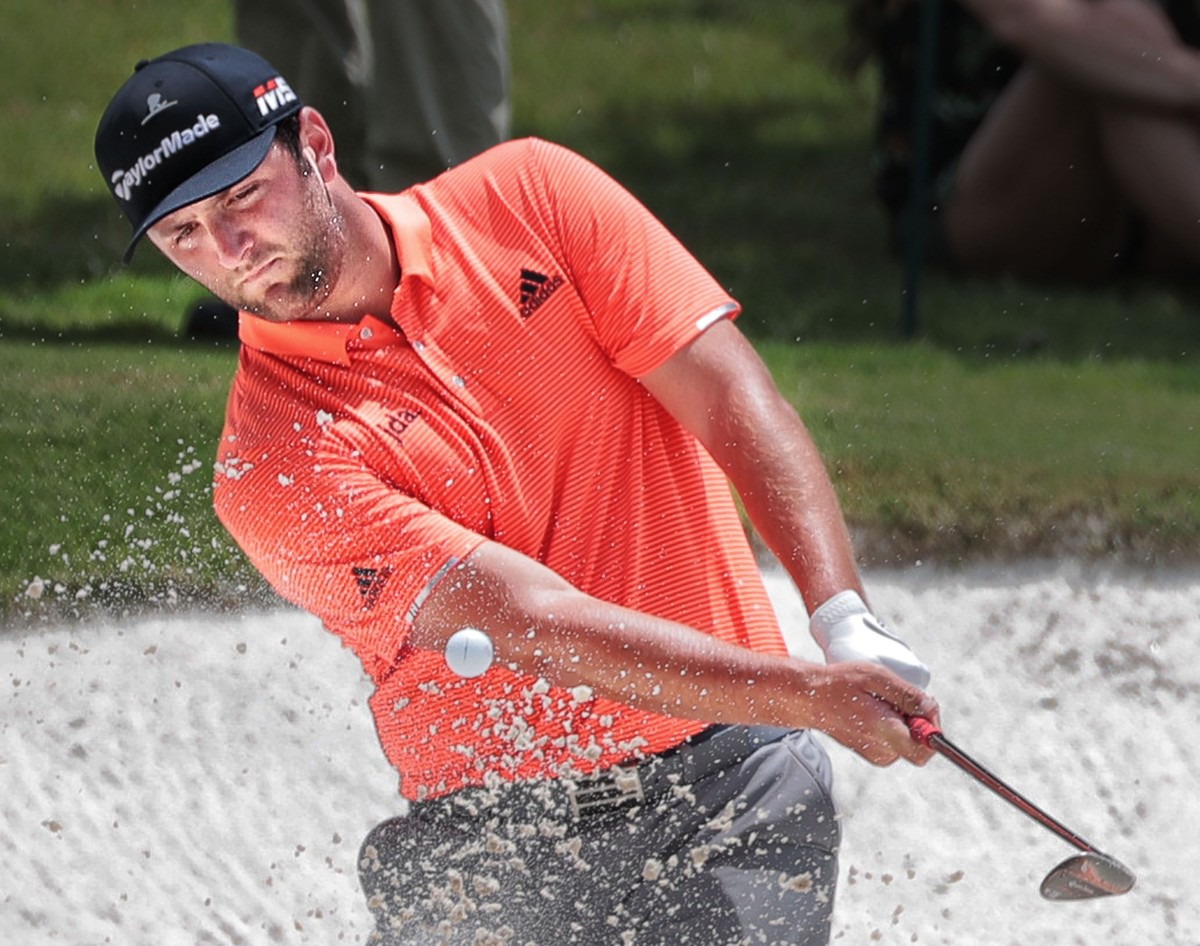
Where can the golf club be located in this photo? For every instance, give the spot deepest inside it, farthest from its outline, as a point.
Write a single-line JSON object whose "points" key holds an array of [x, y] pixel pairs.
{"points": [[1089, 874]]}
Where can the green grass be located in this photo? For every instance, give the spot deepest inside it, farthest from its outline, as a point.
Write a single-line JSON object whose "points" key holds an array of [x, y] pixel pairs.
{"points": [[109, 460], [1025, 420], [958, 458]]}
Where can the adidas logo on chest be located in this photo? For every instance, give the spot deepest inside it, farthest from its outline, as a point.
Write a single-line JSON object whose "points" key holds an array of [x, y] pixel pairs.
{"points": [[535, 290]]}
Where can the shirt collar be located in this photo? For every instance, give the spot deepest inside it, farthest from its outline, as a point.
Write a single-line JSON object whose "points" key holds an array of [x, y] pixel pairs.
{"points": [[328, 341]]}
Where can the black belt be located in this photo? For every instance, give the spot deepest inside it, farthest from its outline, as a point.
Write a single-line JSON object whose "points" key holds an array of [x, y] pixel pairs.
{"points": [[620, 787]]}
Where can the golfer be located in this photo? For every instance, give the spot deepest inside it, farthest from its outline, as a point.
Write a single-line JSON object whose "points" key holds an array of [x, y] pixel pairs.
{"points": [[509, 400]]}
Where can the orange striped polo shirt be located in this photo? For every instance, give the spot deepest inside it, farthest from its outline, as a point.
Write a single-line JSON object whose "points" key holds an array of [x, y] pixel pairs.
{"points": [[499, 401]]}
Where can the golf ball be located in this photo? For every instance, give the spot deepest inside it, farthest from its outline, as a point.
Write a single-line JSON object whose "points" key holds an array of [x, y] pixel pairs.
{"points": [[469, 652]]}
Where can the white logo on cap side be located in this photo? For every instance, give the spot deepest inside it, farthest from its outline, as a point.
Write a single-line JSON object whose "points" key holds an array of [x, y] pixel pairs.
{"points": [[273, 95], [125, 182], [155, 104]]}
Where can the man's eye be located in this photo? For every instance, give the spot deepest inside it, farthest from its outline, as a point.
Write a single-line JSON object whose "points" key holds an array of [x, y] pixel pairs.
{"points": [[242, 193], [182, 234]]}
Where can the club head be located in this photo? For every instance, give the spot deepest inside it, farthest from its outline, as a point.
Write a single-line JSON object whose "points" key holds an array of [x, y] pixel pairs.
{"points": [[1085, 876]]}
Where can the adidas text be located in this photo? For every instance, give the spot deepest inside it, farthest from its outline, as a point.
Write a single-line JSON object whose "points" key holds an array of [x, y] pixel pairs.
{"points": [[536, 289]]}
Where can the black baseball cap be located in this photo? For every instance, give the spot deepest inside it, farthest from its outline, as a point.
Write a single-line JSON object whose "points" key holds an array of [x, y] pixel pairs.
{"points": [[186, 126]]}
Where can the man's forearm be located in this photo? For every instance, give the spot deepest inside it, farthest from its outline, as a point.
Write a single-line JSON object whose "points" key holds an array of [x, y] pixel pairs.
{"points": [[792, 504], [722, 392], [541, 626]]}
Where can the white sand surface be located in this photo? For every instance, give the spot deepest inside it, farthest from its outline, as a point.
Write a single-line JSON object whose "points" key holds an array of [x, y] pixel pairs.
{"points": [[207, 779]]}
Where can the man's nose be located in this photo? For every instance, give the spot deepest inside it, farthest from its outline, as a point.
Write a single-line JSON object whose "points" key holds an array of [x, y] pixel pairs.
{"points": [[232, 241]]}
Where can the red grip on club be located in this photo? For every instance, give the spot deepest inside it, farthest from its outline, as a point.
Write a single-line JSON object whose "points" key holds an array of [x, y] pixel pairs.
{"points": [[923, 730]]}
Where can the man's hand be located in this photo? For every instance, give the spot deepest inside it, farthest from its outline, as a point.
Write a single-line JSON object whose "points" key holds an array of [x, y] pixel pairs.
{"points": [[866, 708], [846, 630]]}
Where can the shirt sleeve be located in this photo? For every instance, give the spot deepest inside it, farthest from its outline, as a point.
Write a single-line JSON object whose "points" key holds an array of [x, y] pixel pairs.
{"points": [[331, 536], [647, 296]]}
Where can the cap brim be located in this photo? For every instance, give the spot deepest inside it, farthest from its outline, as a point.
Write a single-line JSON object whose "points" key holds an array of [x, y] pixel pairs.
{"points": [[226, 171]]}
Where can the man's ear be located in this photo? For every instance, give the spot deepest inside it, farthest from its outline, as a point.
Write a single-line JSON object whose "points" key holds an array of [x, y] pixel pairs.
{"points": [[316, 142]]}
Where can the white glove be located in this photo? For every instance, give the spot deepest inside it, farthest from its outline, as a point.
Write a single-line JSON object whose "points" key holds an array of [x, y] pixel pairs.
{"points": [[846, 630]]}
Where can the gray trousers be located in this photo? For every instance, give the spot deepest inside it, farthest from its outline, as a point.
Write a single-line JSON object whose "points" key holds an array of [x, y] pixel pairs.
{"points": [[730, 841], [409, 87]]}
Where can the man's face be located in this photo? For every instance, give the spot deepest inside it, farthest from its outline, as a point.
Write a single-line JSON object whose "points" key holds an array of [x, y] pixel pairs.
{"points": [[273, 244]]}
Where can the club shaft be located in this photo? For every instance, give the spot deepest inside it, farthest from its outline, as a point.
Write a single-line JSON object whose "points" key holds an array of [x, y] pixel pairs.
{"points": [[931, 736]]}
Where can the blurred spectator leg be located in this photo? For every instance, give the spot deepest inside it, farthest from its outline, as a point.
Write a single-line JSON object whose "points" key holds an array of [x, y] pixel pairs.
{"points": [[1032, 194], [323, 48], [439, 92]]}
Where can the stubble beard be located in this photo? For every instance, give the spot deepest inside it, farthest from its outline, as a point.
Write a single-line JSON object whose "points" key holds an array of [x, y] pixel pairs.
{"points": [[318, 266]]}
